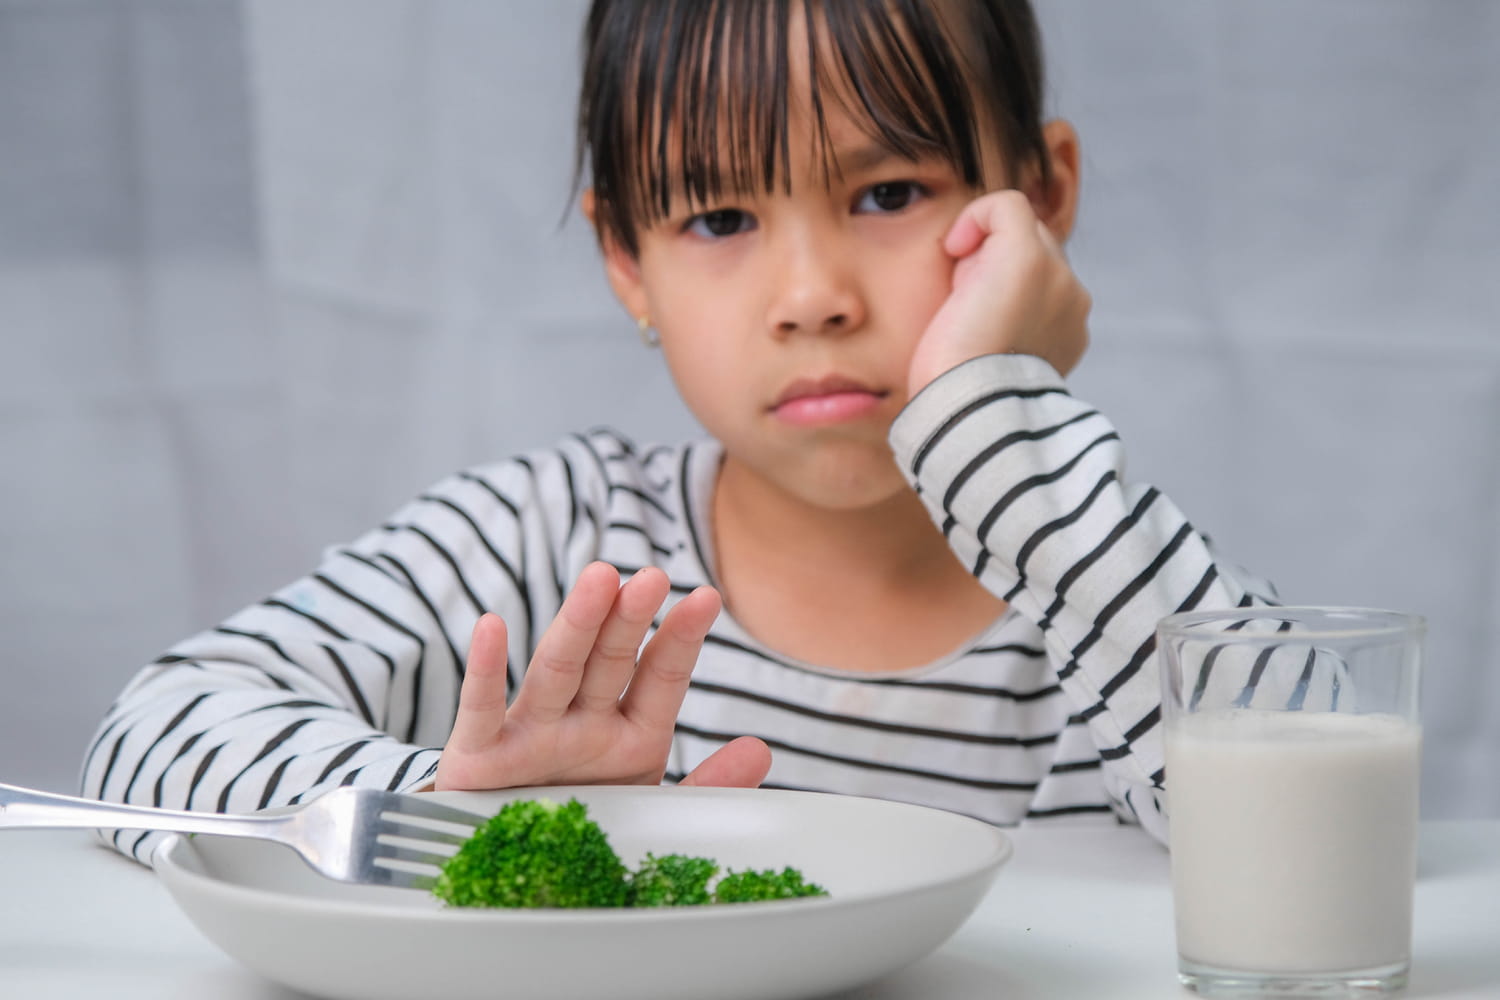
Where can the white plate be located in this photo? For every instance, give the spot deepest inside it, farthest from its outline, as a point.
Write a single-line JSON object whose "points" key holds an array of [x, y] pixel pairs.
{"points": [[902, 879]]}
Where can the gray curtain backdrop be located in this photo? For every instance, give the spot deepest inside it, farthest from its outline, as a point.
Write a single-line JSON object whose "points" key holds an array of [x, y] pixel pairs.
{"points": [[269, 268]]}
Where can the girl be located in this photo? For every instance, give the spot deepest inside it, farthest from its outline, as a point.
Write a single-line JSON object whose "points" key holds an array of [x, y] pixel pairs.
{"points": [[841, 223]]}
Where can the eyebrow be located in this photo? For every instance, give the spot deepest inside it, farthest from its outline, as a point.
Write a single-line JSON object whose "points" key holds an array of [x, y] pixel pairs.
{"points": [[866, 157]]}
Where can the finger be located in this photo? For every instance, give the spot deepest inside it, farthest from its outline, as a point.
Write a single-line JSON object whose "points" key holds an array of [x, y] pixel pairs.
{"points": [[740, 763], [613, 658], [481, 698], [992, 213], [552, 679], [966, 233], [661, 680]]}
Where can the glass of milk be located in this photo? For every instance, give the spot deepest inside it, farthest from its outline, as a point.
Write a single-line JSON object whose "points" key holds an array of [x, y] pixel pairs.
{"points": [[1292, 753]]}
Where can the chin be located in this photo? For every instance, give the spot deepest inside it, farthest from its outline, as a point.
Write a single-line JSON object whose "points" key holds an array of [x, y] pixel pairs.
{"points": [[835, 485]]}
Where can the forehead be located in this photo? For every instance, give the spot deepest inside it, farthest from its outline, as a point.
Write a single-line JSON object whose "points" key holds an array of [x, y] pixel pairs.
{"points": [[724, 90]]}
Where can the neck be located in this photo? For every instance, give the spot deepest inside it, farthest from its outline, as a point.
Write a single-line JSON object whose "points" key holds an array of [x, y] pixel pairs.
{"points": [[872, 588], [892, 543]]}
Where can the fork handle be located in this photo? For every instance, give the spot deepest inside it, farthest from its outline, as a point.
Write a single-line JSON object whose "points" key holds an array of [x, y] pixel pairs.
{"points": [[25, 807]]}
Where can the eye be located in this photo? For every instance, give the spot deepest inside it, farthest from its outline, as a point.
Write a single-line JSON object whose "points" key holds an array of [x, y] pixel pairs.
{"points": [[719, 223], [889, 196]]}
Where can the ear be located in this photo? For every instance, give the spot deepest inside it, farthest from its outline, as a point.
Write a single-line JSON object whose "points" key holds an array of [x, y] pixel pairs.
{"points": [[620, 266], [1057, 204]]}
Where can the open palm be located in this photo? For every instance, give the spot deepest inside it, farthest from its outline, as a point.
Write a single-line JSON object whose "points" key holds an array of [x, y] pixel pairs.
{"points": [[594, 707]]}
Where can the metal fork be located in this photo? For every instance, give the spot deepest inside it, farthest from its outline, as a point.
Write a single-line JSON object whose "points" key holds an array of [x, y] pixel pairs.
{"points": [[362, 835]]}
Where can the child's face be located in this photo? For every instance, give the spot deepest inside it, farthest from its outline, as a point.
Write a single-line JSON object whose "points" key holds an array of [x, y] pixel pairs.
{"points": [[788, 319]]}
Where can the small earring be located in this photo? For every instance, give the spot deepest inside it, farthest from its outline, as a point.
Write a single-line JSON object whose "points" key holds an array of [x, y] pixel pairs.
{"points": [[648, 335]]}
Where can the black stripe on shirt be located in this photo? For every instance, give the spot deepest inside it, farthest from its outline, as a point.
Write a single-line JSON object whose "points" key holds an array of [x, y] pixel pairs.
{"points": [[876, 725], [1078, 810], [203, 766], [660, 550], [644, 497], [1148, 647], [273, 782], [270, 644], [972, 467], [923, 450], [517, 585], [405, 630], [279, 604], [1142, 653], [341, 758], [574, 505], [271, 745], [1257, 670], [1066, 581], [534, 488], [446, 556], [376, 612], [365, 560], [1205, 670], [870, 765], [352, 685], [488, 487], [418, 670], [713, 639], [602, 461], [1040, 479], [1023, 555], [175, 721], [1130, 590], [1019, 648], [135, 847], [360, 704], [109, 765], [1072, 766], [599, 461], [400, 774], [1304, 682]]}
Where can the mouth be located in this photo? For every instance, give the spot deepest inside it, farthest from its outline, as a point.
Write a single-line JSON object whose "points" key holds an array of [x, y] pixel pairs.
{"points": [[829, 400]]}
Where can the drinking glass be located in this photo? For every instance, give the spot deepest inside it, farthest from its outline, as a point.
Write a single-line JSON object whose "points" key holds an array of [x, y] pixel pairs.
{"points": [[1292, 754]]}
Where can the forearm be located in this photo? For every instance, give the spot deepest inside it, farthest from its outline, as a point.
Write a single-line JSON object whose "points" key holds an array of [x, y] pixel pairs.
{"points": [[352, 673], [220, 727], [1028, 484]]}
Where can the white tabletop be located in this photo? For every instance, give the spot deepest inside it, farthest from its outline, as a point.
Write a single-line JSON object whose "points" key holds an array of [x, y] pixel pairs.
{"points": [[1079, 912]]}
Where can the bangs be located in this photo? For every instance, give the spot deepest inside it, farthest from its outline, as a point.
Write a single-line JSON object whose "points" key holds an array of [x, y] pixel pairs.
{"points": [[687, 100]]}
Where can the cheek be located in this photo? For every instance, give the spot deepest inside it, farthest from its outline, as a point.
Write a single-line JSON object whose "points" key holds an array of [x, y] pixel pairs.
{"points": [[703, 380], [915, 282]]}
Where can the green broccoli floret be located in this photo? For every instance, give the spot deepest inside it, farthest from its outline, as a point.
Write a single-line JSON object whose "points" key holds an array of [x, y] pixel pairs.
{"points": [[535, 853], [672, 880], [754, 886]]}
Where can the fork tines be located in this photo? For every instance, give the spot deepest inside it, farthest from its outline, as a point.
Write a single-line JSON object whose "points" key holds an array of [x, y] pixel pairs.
{"points": [[416, 807], [415, 836]]}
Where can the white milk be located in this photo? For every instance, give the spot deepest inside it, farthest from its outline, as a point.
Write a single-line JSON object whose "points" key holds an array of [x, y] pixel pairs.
{"points": [[1293, 839]]}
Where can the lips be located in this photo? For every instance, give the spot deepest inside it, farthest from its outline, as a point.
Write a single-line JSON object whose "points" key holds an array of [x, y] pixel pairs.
{"points": [[832, 385], [829, 400]]}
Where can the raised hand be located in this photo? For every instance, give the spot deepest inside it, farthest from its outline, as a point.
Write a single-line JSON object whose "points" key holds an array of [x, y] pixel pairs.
{"points": [[588, 710], [1013, 293]]}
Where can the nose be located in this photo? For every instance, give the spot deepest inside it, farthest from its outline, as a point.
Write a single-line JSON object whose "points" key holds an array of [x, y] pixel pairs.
{"points": [[816, 285]]}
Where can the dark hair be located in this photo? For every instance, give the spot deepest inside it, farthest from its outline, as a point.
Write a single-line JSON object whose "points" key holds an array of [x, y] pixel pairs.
{"points": [[670, 84]]}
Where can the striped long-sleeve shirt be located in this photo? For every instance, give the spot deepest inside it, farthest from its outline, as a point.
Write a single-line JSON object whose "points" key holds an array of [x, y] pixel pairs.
{"points": [[351, 674]]}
